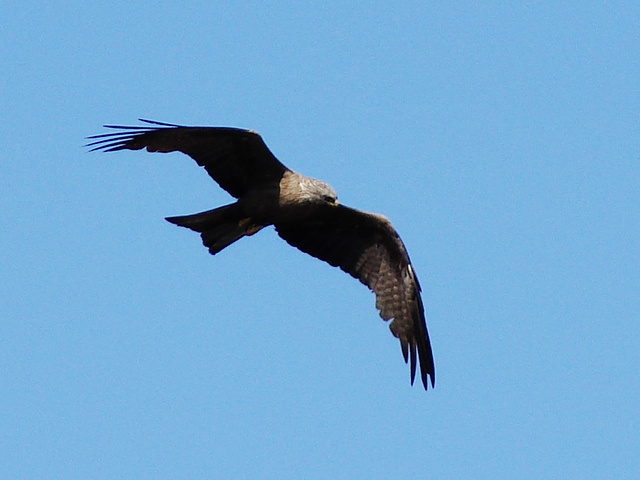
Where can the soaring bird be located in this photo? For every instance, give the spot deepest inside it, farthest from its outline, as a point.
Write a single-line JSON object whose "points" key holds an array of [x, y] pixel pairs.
{"points": [[304, 211]]}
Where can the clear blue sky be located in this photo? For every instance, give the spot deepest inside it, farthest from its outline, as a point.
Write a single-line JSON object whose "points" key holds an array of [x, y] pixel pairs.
{"points": [[501, 138]]}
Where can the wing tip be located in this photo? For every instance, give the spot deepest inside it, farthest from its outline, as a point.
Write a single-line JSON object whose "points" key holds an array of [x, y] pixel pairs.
{"points": [[154, 122], [428, 377], [424, 358]]}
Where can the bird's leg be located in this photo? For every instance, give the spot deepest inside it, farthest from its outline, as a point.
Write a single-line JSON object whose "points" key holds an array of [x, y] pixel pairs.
{"points": [[250, 229]]}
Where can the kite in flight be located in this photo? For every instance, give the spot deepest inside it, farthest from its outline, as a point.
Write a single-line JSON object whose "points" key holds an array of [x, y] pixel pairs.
{"points": [[304, 211]]}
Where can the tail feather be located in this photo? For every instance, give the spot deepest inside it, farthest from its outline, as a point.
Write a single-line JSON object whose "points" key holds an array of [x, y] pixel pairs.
{"points": [[218, 228]]}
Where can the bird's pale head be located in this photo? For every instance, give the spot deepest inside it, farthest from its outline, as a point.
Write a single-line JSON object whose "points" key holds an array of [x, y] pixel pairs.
{"points": [[317, 191]]}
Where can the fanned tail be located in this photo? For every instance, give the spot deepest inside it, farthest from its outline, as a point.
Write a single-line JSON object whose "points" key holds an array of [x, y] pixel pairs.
{"points": [[219, 227]]}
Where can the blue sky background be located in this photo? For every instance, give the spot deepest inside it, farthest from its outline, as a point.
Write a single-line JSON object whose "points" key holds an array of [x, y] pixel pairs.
{"points": [[501, 138]]}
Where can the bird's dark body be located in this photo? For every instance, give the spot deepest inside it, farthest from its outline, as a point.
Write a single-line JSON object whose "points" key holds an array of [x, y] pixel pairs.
{"points": [[304, 212]]}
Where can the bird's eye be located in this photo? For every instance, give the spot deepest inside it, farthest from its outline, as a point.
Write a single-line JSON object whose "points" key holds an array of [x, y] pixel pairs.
{"points": [[329, 199]]}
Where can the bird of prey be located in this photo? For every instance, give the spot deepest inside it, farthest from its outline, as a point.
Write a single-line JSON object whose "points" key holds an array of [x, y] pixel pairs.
{"points": [[304, 211]]}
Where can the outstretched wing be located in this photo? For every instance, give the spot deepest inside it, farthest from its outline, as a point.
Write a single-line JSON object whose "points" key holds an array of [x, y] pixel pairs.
{"points": [[237, 159], [367, 247]]}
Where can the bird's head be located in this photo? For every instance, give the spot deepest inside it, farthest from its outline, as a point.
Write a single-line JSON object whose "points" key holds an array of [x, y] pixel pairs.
{"points": [[318, 191]]}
